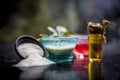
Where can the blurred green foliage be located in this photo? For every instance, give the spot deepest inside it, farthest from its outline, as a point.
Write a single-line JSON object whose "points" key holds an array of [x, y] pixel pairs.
{"points": [[33, 18]]}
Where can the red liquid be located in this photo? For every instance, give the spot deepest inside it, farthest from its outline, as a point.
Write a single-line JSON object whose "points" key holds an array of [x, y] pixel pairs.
{"points": [[81, 49]]}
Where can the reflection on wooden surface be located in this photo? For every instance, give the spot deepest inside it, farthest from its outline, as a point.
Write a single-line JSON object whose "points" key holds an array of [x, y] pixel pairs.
{"points": [[94, 71]]}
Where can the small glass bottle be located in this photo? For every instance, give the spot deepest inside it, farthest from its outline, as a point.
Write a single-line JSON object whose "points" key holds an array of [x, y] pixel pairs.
{"points": [[96, 39]]}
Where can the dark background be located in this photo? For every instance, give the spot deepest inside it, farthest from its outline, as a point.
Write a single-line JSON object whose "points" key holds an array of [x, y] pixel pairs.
{"points": [[32, 17]]}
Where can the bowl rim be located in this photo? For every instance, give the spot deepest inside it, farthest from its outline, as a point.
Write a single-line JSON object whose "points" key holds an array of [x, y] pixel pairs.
{"points": [[33, 40], [58, 37]]}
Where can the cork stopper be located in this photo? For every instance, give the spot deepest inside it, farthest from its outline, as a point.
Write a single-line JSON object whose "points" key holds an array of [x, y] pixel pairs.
{"points": [[97, 28]]}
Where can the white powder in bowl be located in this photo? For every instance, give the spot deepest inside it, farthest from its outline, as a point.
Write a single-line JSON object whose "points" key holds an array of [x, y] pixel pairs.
{"points": [[65, 47], [33, 55]]}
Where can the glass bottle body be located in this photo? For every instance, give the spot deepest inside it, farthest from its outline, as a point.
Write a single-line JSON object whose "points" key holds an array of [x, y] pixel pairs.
{"points": [[95, 47]]}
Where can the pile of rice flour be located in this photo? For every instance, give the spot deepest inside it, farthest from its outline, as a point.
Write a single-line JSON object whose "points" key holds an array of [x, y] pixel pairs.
{"points": [[32, 54]]}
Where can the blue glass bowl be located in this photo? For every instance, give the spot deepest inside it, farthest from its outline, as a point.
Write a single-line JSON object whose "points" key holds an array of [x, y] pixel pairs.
{"points": [[59, 48]]}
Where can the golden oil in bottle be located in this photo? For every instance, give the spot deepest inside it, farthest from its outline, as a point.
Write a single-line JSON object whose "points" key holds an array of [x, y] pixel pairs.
{"points": [[95, 47]]}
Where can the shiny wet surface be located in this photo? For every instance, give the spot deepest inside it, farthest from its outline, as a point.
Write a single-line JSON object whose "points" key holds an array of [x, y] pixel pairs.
{"points": [[78, 70], [63, 71], [109, 69]]}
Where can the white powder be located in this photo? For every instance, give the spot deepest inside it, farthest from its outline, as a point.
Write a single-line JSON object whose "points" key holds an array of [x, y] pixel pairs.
{"points": [[57, 50], [33, 55], [29, 48], [60, 48]]}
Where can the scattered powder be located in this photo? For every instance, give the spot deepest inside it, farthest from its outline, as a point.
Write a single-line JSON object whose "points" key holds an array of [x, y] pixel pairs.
{"points": [[29, 48], [33, 55]]}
